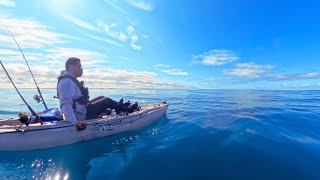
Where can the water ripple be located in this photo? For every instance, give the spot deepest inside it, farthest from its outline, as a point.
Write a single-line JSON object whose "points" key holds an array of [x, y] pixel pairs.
{"points": [[208, 131]]}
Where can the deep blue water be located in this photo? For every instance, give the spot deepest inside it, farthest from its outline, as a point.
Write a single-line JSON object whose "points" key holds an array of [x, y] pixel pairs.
{"points": [[206, 134]]}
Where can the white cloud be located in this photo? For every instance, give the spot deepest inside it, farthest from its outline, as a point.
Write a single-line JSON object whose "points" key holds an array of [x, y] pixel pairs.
{"points": [[135, 47], [248, 70], [29, 34], [88, 58], [134, 38], [171, 71], [141, 5], [300, 86], [109, 30], [255, 71], [161, 66], [53, 59], [111, 74], [307, 75], [122, 36], [115, 6], [7, 3], [109, 41], [128, 34], [45, 76], [5, 52], [216, 57], [98, 78], [81, 23], [95, 77], [110, 78], [145, 36], [175, 72], [15, 55], [130, 30], [254, 66]]}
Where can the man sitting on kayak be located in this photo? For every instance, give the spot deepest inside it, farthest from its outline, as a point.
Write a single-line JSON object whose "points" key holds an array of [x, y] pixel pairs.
{"points": [[74, 97]]}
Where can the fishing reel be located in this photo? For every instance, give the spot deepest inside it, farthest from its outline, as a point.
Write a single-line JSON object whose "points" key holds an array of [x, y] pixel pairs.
{"points": [[23, 118], [37, 98]]}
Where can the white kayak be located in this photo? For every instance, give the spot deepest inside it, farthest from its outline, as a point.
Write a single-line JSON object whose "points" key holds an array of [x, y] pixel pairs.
{"points": [[59, 133]]}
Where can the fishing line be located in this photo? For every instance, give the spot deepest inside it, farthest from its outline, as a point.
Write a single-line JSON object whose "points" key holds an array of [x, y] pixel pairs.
{"points": [[43, 102], [30, 109]]}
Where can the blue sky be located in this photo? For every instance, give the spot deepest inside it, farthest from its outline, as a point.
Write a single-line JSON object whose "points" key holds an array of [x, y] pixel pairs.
{"points": [[165, 44]]}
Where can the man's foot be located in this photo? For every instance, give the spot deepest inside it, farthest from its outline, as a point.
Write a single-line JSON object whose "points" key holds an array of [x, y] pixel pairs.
{"points": [[119, 106], [133, 107], [127, 104], [120, 103]]}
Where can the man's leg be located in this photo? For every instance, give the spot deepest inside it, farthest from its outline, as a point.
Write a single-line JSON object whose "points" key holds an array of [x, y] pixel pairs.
{"points": [[95, 99], [95, 108]]}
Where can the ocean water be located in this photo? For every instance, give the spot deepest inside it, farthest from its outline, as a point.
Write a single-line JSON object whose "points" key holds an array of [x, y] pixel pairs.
{"points": [[206, 134]]}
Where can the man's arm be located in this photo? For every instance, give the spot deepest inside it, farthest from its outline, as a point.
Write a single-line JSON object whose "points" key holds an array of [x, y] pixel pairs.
{"points": [[71, 116], [66, 94]]}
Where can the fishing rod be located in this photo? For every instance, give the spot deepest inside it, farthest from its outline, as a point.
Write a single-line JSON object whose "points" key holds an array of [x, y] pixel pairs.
{"points": [[36, 97], [30, 109]]}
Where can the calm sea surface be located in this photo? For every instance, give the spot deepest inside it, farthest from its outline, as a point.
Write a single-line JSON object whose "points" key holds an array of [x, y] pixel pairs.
{"points": [[206, 134]]}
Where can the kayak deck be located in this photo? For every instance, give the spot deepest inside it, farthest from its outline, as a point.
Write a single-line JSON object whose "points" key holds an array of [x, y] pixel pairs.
{"points": [[10, 126]]}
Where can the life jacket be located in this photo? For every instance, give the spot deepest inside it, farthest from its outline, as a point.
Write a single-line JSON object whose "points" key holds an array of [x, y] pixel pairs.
{"points": [[84, 99]]}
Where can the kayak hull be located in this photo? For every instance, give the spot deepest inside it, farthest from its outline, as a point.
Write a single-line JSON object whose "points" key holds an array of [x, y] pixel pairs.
{"points": [[62, 133]]}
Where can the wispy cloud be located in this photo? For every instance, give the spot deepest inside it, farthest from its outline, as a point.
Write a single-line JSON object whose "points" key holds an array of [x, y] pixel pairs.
{"points": [[133, 38], [161, 66], [29, 34], [45, 76], [97, 78], [5, 52], [58, 56], [135, 47], [7, 3], [50, 63], [169, 70], [128, 79], [128, 34], [15, 55], [115, 6], [300, 86], [109, 41], [102, 27], [145, 36], [81, 23], [307, 75], [110, 30], [216, 57], [260, 72], [53, 59], [248, 70], [175, 72], [146, 6]]}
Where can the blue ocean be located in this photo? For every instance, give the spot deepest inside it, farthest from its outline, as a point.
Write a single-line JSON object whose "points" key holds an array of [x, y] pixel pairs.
{"points": [[206, 134]]}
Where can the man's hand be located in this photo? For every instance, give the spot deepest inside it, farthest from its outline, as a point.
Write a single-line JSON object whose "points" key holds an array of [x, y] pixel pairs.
{"points": [[80, 125]]}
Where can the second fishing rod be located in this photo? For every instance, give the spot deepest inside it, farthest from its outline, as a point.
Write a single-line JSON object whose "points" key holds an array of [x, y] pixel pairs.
{"points": [[26, 121], [36, 97]]}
